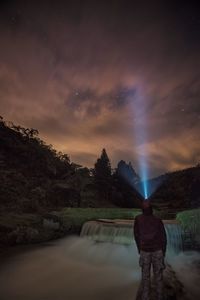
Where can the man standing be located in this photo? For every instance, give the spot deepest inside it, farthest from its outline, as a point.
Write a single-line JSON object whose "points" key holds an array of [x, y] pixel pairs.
{"points": [[150, 237]]}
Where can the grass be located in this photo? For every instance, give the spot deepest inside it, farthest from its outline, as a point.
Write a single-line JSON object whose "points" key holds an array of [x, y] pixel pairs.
{"points": [[190, 220], [75, 217], [71, 216], [78, 216]]}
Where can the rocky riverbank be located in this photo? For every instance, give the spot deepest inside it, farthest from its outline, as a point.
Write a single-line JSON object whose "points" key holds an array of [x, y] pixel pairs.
{"points": [[31, 229], [173, 289], [20, 229], [17, 229]]}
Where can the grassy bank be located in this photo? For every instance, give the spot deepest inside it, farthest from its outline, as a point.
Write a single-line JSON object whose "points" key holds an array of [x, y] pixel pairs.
{"points": [[190, 220], [32, 228], [67, 216], [72, 217], [78, 216]]}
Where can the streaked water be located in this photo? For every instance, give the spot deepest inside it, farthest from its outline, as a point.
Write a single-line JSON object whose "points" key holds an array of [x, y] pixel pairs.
{"points": [[74, 268], [122, 233], [78, 268]]}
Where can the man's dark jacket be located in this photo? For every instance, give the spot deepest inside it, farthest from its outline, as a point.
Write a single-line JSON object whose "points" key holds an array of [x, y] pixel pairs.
{"points": [[149, 232]]}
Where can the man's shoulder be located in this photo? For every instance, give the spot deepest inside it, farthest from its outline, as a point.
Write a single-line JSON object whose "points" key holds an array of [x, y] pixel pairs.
{"points": [[142, 216]]}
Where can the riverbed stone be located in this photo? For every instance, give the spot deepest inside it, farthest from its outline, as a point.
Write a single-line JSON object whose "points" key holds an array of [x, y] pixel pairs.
{"points": [[172, 290]]}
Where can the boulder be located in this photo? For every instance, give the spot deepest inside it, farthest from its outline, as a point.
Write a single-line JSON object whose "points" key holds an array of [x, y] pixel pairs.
{"points": [[172, 289]]}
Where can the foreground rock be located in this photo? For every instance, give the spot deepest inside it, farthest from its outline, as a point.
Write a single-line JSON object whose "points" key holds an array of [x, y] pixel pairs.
{"points": [[31, 229], [173, 288]]}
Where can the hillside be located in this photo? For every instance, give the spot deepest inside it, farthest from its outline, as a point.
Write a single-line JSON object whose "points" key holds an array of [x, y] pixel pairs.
{"points": [[35, 178], [177, 190]]}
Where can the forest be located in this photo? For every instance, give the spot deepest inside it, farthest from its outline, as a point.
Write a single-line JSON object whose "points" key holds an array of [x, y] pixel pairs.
{"points": [[36, 178]]}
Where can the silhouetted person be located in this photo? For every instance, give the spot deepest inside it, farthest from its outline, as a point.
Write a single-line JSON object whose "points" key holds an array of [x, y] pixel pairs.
{"points": [[150, 237]]}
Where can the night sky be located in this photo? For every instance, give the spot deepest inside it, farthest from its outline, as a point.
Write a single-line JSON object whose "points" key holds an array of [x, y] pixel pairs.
{"points": [[124, 75]]}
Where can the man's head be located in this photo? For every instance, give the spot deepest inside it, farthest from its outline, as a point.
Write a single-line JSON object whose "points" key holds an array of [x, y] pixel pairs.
{"points": [[147, 208]]}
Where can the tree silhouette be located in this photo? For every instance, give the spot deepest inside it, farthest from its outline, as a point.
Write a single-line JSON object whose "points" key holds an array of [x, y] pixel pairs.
{"points": [[124, 180], [127, 173], [102, 176]]}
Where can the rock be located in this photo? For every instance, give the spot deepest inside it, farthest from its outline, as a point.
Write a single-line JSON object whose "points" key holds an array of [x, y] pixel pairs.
{"points": [[50, 224], [52, 221], [23, 235], [32, 235], [172, 289]]}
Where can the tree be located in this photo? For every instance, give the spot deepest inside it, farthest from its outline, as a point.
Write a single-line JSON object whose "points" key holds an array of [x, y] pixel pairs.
{"points": [[79, 181], [127, 173], [125, 180], [102, 176]]}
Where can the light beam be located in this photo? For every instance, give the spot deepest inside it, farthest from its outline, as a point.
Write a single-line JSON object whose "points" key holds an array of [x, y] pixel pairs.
{"points": [[140, 133]]}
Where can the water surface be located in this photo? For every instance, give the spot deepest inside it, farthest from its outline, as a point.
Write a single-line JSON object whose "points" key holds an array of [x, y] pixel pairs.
{"points": [[77, 268]]}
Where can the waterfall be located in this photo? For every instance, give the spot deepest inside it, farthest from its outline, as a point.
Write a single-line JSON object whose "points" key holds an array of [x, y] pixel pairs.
{"points": [[174, 233], [108, 232], [121, 232]]}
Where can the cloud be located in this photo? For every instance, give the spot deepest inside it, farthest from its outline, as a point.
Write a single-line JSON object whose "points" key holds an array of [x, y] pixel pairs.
{"points": [[85, 158], [90, 76], [171, 154]]}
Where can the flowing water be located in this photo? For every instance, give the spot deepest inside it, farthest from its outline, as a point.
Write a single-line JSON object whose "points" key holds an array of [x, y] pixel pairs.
{"points": [[121, 232], [80, 268]]}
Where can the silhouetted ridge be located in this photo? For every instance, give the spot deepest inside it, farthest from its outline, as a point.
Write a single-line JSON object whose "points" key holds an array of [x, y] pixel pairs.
{"points": [[35, 178]]}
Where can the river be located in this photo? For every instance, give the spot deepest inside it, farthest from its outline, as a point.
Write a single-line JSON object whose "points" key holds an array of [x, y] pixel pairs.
{"points": [[77, 268]]}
